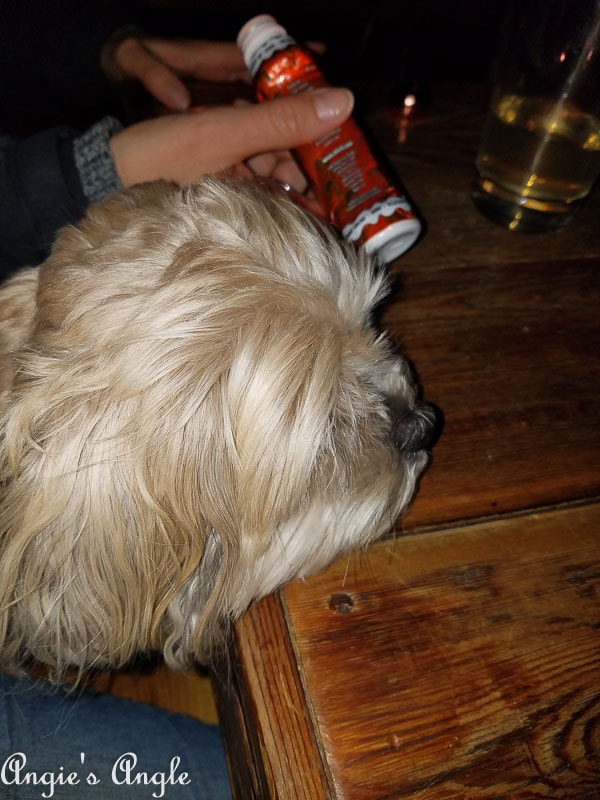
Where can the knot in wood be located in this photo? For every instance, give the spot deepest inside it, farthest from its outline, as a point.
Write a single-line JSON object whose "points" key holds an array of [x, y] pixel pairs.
{"points": [[341, 603]]}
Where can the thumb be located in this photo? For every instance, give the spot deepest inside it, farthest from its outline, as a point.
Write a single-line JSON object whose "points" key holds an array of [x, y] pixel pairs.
{"points": [[182, 147], [289, 122]]}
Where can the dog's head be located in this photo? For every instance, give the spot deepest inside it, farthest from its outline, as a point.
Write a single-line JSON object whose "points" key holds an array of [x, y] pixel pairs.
{"points": [[199, 411]]}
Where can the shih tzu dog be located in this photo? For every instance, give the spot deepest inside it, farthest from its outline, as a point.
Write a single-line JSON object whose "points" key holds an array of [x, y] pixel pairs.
{"points": [[194, 409]]}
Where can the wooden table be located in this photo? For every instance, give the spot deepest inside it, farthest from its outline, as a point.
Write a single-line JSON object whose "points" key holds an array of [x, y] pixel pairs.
{"points": [[460, 657]]}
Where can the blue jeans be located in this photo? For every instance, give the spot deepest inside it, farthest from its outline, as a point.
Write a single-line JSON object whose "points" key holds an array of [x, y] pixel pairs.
{"points": [[84, 746]]}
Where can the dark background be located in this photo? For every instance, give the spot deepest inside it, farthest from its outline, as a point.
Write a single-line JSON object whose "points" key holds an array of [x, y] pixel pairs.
{"points": [[420, 40], [50, 67]]}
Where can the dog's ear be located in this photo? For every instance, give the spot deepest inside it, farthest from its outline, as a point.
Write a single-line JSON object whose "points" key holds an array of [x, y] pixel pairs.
{"points": [[101, 520], [281, 389]]}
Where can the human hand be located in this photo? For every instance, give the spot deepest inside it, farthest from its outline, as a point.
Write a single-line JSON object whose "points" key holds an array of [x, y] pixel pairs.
{"points": [[241, 140], [158, 63]]}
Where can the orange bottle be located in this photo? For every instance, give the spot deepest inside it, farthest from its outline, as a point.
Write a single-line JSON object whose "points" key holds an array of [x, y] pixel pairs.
{"points": [[366, 208]]}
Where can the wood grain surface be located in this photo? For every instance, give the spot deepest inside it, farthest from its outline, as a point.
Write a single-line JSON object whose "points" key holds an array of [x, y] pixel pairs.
{"points": [[503, 328], [261, 701], [188, 692], [463, 663], [511, 354]]}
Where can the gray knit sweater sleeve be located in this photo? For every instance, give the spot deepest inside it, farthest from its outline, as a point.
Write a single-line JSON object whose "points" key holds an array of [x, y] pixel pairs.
{"points": [[94, 161], [48, 180]]}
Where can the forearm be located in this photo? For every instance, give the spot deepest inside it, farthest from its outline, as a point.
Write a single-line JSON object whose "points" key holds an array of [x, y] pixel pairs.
{"points": [[47, 181]]}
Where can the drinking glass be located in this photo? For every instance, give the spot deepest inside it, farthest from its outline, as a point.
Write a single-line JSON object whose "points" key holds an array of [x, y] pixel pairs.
{"points": [[540, 149]]}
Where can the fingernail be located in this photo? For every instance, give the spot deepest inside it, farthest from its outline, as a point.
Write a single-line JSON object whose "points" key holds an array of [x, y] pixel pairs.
{"points": [[333, 103], [176, 98]]}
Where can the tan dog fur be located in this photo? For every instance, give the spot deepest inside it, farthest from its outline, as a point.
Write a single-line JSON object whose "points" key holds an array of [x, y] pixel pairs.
{"points": [[195, 409]]}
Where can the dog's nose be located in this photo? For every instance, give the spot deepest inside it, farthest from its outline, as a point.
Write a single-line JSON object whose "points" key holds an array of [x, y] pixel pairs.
{"points": [[418, 427]]}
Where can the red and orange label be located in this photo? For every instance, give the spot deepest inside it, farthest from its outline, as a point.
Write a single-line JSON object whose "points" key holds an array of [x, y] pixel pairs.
{"points": [[340, 167]]}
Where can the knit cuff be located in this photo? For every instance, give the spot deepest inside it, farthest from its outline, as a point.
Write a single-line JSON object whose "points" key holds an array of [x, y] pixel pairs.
{"points": [[94, 160]]}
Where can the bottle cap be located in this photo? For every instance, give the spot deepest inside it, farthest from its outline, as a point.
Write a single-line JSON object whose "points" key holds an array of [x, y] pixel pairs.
{"points": [[393, 241], [260, 38]]}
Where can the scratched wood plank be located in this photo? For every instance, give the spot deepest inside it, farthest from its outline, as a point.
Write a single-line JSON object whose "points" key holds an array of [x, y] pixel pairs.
{"points": [[511, 354], [459, 664], [188, 692], [260, 701]]}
